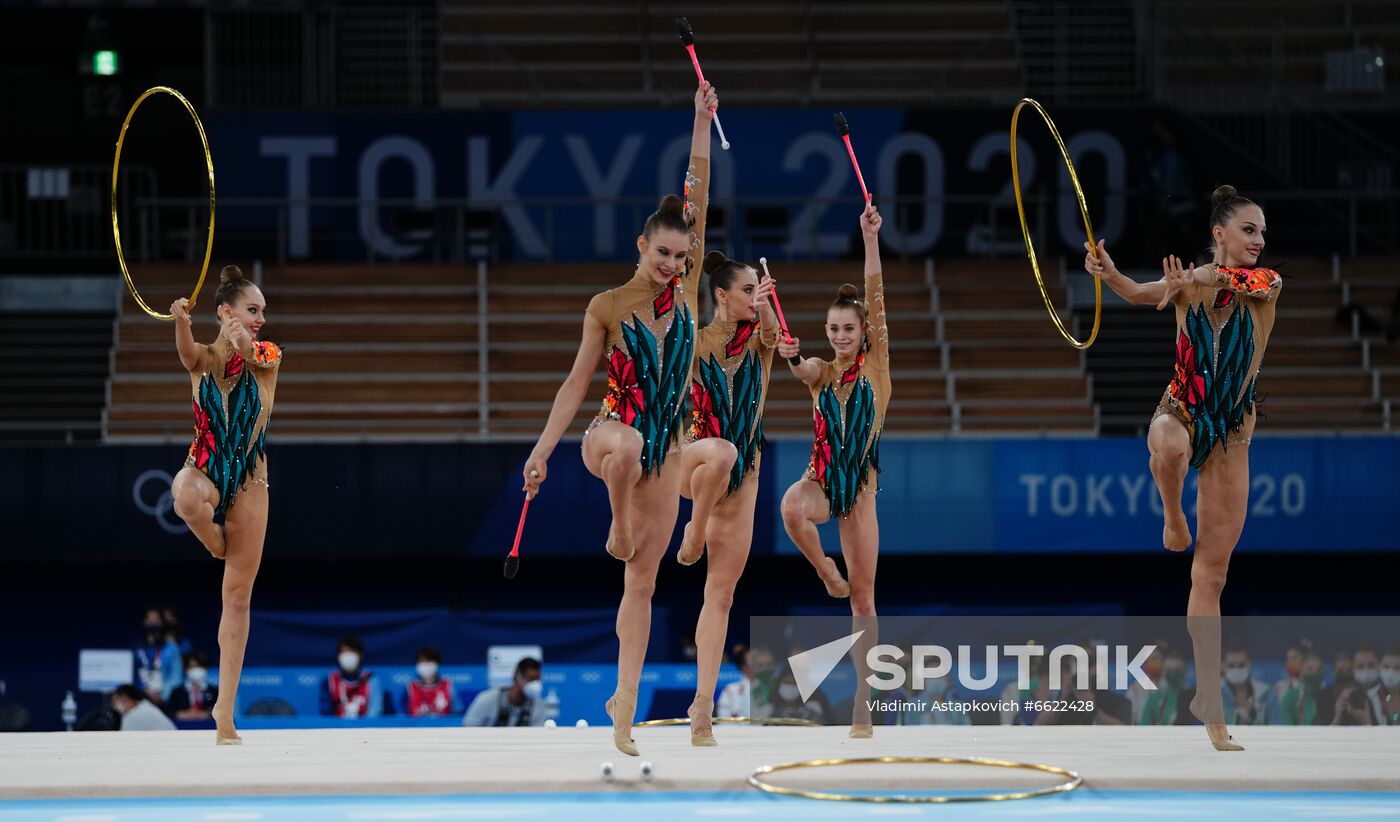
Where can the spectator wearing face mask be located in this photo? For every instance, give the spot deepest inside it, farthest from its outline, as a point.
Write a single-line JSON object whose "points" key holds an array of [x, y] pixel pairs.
{"points": [[158, 667], [1248, 700], [196, 698], [734, 698], [350, 691], [1168, 704], [1303, 704], [1385, 695], [515, 705], [1351, 704], [1365, 667], [936, 691], [138, 712], [788, 704], [429, 694]]}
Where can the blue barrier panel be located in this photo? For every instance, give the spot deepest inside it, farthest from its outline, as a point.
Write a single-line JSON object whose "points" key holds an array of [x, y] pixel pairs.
{"points": [[293, 637], [937, 496], [1097, 495], [581, 689], [1306, 494]]}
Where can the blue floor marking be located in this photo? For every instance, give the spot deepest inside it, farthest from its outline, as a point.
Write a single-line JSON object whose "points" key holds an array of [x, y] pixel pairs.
{"points": [[621, 806]]}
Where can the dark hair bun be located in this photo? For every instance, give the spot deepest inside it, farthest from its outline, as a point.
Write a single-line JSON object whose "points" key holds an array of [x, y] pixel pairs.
{"points": [[671, 205], [670, 215], [1223, 195], [714, 261], [848, 294], [230, 274]]}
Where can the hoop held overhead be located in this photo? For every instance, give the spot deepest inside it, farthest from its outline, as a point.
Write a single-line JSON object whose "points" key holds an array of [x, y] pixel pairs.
{"points": [[1075, 780], [1026, 231], [116, 229]]}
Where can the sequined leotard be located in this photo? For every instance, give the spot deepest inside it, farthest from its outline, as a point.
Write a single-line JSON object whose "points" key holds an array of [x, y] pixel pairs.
{"points": [[1222, 331], [728, 388], [232, 402], [848, 411], [650, 343]]}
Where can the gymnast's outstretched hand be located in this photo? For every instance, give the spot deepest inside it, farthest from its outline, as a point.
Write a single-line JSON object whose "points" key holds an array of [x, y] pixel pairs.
{"points": [[1176, 279]]}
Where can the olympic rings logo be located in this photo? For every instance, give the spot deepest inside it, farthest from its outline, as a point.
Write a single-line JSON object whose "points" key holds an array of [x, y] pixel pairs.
{"points": [[164, 506]]}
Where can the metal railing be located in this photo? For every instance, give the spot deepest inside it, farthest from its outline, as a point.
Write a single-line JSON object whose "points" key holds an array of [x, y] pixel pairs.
{"points": [[458, 230], [344, 56], [62, 212], [65, 210], [1293, 130], [1078, 52]]}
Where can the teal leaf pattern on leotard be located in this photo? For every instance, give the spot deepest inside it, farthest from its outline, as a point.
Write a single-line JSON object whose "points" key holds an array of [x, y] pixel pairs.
{"points": [[840, 454], [662, 378], [237, 447], [739, 415], [1224, 362]]}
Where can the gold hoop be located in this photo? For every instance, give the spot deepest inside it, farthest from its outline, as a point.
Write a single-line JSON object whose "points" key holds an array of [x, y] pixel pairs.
{"points": [[1075, 780], [1026, 231], [732, 720], [116, 229]]}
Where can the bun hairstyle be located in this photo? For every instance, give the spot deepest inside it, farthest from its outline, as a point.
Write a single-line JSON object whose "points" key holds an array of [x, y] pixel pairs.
{"points": [[721, 270], [670, 214], [231, 285], [848, 296], [1223, 204]]}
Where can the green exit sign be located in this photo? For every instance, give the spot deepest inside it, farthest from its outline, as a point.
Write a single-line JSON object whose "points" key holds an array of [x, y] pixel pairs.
{"points": [[104, 63]]}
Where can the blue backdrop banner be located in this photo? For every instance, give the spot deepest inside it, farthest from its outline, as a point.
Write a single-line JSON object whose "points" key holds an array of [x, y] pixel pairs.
{"points": [[937, 496], [576, 185], [1097, 495]]}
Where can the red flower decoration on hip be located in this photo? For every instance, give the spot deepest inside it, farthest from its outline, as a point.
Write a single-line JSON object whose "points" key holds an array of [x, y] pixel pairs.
{"points": [[821, 448], [702, 409], [1188, 385], [234, 366], [203, 446], [624, 398]]}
